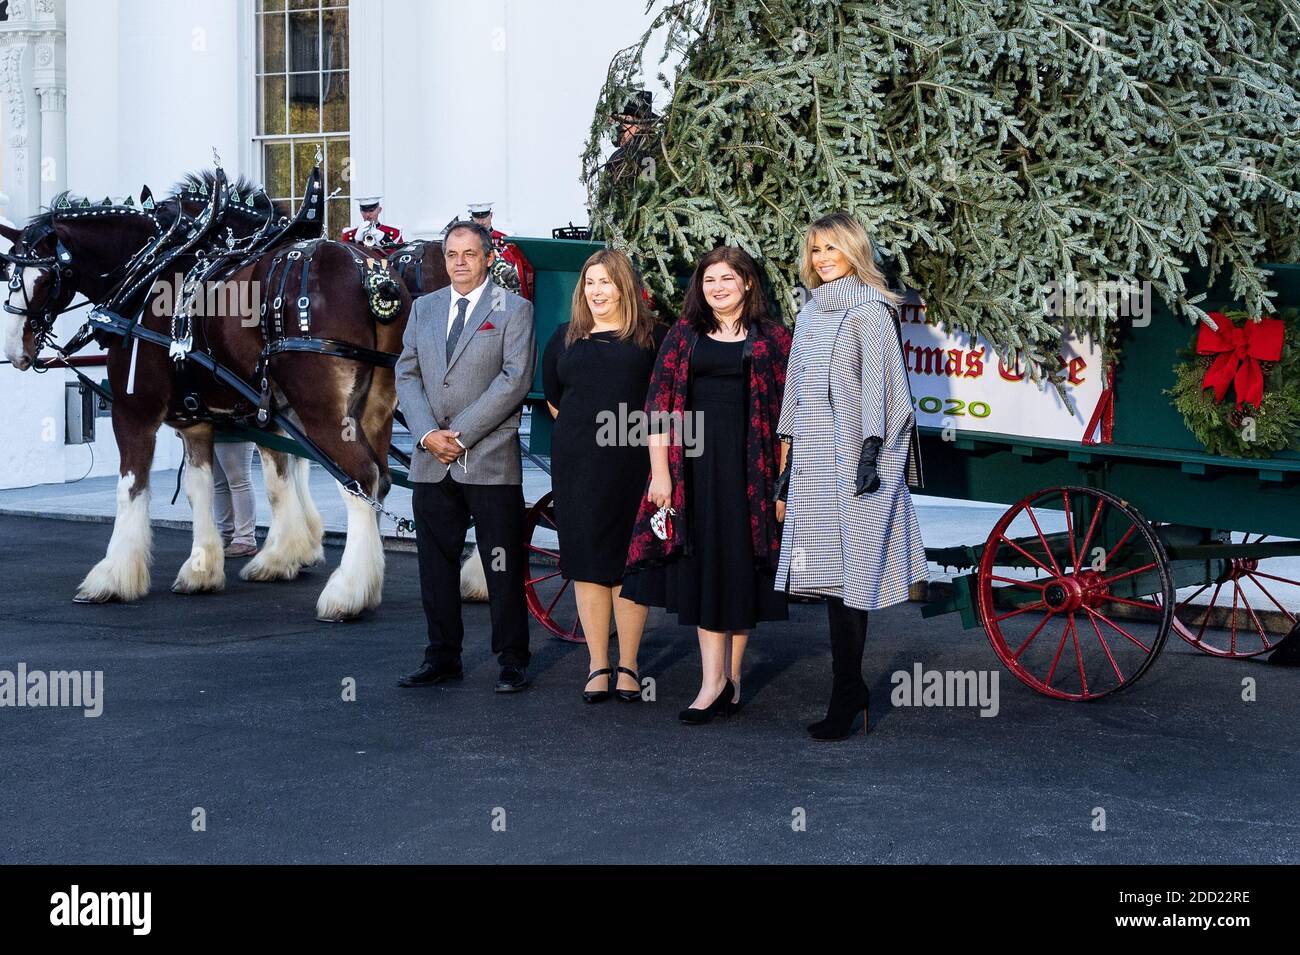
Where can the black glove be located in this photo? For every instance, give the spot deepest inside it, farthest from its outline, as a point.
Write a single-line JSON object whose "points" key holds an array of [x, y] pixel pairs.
{"points": [[783, 482], [868, 477]]}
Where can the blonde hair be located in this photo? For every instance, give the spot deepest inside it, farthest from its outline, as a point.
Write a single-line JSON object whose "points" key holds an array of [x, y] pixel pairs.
{"points": [[847, 234], [636, 321]]}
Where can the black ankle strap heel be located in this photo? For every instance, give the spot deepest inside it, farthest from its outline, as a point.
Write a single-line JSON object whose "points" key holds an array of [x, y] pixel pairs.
{"points": [[629, 696]]}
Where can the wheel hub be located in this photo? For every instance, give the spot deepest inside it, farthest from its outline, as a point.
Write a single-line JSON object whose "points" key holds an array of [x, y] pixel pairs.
{"points": [[1073, 591], [1239, 567]]}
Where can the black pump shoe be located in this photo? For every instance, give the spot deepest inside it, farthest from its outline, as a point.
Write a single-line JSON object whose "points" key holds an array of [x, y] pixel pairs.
{"points": [[597, 696], [629, 696], [694, 717]]}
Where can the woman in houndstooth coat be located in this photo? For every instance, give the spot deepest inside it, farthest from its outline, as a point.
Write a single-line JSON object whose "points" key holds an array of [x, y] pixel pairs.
{"points": [[850, 531]]}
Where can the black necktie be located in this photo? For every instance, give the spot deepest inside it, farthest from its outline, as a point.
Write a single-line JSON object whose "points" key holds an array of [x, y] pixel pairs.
{"points": [[457, 326]]}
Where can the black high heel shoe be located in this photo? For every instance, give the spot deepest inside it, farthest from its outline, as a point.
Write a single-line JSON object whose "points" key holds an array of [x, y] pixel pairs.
{"points": [[694, 717], [842, 717], [597, 696], [629, 696]]}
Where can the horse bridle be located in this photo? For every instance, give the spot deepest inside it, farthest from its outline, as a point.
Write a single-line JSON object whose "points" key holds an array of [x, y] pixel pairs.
{"points": [[42, 320], [60, 265]]}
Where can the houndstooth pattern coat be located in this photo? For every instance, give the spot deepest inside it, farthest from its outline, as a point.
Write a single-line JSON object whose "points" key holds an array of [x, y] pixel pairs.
{"points": [[846, 381]]}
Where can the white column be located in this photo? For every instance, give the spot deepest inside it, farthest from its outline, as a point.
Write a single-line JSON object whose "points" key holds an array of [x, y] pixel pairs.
{"points": [[22, 127], [31, 62], [54, 142], [366, 108]]}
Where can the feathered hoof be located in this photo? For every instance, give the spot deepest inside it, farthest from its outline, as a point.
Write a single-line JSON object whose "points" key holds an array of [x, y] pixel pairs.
{"points": [[203, 573], [346, 596], [113, 580], [473, 582], [268, 566]]}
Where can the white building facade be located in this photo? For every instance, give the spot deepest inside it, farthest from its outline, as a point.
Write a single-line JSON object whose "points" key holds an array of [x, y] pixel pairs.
{"points": [[432, 103]]}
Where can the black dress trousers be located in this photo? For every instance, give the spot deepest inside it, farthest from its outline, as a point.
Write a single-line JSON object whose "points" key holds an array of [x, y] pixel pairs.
{"points": [[442, 512]]}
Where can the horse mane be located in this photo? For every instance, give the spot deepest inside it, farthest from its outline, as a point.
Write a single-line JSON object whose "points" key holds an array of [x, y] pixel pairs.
{"points": [[165, 209], [192, 182]]}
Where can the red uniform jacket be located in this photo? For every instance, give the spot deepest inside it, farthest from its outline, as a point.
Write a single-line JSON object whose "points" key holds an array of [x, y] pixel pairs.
{"points": [[392, 234], [512, 254]]}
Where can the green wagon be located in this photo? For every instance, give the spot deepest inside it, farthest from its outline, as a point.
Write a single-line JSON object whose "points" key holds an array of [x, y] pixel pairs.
{"points": [[1106, 548]]}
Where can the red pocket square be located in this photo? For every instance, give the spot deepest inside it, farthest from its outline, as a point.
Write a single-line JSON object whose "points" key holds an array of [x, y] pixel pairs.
{"points": [[486, 327]]}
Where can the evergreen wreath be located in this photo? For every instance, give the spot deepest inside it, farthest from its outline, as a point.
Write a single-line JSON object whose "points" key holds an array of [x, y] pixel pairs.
{"points": [[1246, 431]]}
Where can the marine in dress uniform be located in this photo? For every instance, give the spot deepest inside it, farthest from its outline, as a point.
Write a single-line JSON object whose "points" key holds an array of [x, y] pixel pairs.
{"points": [[372, 232], [509, 257]]}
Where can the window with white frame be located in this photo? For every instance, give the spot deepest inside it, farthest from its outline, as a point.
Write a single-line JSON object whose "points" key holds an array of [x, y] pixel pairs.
{"points": [[302, 101]]}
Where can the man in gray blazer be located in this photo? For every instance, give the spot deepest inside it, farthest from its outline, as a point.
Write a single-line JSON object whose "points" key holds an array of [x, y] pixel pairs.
{"points": [[465, 369]]}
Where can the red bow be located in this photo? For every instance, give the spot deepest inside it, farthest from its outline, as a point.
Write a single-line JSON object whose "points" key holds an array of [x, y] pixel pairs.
{"points": [[1240, 349]]}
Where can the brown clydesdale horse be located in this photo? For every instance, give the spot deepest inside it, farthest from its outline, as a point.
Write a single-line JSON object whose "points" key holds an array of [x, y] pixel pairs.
{"points": [[419, 265], [344, 406]]}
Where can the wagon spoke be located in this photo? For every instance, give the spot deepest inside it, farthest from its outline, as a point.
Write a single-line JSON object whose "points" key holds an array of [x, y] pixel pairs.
{"points": [[1214, 602], [553, 554], [1236, 592], [1069, 530], [538, 580], [1051, 672], [1144, 604], [1200, 590], [1106, 647], [558, 594], [1078, 655], [1035, 560], [1287, 613], [1259, 627], [1281, 580], [1112, 624], [1015, 613], [1019, 583], [1118, 545], [1030, 639], [1046, 549], [1129, 573], [1092, 526]]}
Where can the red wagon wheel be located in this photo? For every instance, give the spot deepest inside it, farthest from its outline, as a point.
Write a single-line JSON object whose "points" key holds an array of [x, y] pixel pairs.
{"points": [[1059, 579], [548, 591], [1248, 610]]}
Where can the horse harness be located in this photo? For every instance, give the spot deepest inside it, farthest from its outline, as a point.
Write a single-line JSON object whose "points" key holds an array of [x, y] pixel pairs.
{"points": [[410, 259], [193, 235], [274, 312]]}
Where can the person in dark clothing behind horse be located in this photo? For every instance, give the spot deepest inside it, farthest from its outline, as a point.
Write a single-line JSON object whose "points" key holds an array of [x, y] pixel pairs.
{"points": [[466, 366]]}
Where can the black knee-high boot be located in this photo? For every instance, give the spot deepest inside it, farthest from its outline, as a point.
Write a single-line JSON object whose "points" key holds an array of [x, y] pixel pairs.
{"points": [[849, 693]]}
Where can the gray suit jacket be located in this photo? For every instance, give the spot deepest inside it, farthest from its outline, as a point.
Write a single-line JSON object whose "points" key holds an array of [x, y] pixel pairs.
{"points": [[478, 392]]}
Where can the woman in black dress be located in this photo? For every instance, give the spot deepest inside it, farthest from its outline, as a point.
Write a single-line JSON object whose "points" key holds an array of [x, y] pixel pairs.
{"points": [[721, 371], [594, 373]]}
